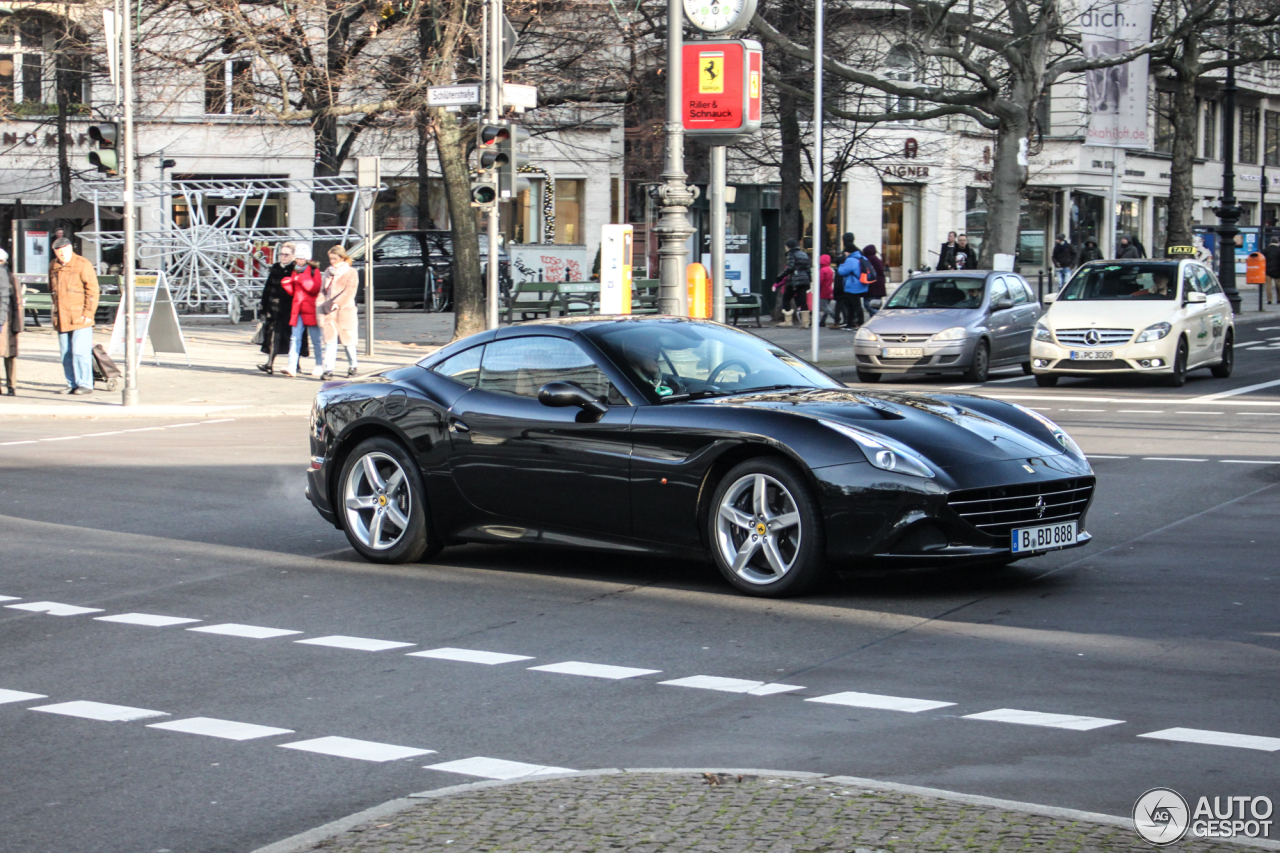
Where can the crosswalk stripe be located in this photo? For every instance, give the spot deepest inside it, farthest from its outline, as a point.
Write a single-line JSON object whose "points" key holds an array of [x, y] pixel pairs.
{"points": [[363, 750], [10, 598], [884, 703], [53, 608], [149, 620], [227, 729], [469, 656], [99, 711], [18, 696], [495, 768], [359, 644], [252, 632], [594, 670], [731, 685], [1212, 738], [1037, 718]]}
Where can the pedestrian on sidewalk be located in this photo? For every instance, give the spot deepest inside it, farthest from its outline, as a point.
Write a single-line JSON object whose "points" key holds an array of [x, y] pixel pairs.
{"points": [[1090, 252], [876, 286], [947, 255], [337, 310], [1064, 259], [73, 288], [799, 277], [852, 269], [10, 324], [275, 309], [825, 306], [303, 284], [965, 258], [1127, 251], [1272, 253]]}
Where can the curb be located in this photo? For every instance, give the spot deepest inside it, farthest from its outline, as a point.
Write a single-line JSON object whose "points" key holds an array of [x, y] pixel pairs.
{"points": [[304, 840], [117, 411]]}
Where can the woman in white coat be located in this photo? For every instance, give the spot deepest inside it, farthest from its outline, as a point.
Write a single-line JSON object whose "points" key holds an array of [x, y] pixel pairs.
{"points": [[339, 321]]}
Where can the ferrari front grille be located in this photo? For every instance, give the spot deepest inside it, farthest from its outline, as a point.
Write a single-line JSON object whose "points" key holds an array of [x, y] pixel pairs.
{"points": [[1000, 509]]}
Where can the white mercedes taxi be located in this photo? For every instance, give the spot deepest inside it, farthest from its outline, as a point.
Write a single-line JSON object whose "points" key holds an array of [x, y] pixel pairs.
{"points": [[1148, 316]]}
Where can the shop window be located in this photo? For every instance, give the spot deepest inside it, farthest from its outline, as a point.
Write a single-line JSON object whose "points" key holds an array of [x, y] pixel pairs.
{"points": [[1163, 106], [228, 88], [570, 196], [1209, 128], [1271, 138], [522, 225], [1248, 134]]}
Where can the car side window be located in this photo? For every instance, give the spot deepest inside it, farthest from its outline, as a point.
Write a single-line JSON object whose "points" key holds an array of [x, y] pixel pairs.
{"points": [[521, 366], [1189, 281], [438, 247], [1018, 291], [999, 290], [1208, 284], [463, 367], [398, 247]]}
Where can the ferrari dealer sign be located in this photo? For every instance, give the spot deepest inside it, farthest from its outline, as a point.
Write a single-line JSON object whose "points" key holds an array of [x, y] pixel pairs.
{"points": [[721, 88]]}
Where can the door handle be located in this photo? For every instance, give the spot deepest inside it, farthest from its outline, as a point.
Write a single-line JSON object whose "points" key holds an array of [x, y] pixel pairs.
{"points": [[458, 426]]}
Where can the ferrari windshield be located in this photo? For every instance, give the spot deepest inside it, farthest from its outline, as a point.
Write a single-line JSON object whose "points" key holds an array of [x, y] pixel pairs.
{"points": [[1111, 282], [683, 360], [944, 292]]}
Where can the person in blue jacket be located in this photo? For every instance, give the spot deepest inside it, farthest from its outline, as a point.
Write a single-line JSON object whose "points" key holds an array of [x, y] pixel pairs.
{"points": [[851, 271]]}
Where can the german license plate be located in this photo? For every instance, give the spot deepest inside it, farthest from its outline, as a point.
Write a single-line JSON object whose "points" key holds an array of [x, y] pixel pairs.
{"points": [[1092, 354], [1046, 537], [904, 352]]}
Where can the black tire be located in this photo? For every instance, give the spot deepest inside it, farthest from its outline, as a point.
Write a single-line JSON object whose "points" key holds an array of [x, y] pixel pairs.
{"points": [[414, 541], [1179, 376], [980, 367], [869, 378], [802, 542], [1026, 368], [1046, 380], [1222, 369]]}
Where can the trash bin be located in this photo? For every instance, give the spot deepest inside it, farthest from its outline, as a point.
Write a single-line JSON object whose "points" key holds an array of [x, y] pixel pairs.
{"points": [[1255, 269]]}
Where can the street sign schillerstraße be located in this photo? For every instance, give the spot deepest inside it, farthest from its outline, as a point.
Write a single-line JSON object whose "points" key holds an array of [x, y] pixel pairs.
{"points": [[453, 96]]}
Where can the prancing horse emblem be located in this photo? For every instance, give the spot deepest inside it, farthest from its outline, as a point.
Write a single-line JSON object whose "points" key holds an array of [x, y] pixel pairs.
{"points": [[1092, 338], [1041, 507]]}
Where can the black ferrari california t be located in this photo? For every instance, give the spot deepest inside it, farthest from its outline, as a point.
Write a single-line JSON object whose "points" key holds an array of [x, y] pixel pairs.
{"points": [[669, 436]]}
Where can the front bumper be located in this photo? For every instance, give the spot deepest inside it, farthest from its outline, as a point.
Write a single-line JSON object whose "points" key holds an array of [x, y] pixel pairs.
{"points": [[1151, 357], [937, 358]]}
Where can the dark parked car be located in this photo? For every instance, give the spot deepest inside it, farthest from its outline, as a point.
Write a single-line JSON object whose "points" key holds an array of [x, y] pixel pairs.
{"points": [[416, 267], [682, 437]]}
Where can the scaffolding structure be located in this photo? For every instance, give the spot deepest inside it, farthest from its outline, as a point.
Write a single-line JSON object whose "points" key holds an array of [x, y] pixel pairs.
{"points": [[216, 265]]}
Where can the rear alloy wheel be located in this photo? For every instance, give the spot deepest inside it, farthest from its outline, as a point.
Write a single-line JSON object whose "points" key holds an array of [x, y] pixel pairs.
{"points": [[1222, 369], [383, 504], [1179, 376], [869, 378], [1046, 380], [980, 367], [765, 529]]}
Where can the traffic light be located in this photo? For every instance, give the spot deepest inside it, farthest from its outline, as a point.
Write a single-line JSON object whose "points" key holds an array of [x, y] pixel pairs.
{"points": [[484, 191], [107, 157], [510, 161]]}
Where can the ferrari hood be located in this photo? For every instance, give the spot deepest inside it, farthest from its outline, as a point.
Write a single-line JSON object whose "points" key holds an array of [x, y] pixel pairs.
{"points": [[948, 431]]}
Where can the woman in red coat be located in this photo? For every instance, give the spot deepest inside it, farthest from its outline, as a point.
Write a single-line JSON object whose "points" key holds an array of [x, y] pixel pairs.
{"points": [[303, 284]]}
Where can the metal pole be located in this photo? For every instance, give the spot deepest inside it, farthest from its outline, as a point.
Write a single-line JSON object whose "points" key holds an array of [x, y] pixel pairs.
{"points": [[1262, 211], [494, 111], [1229, 211], [718, 217], [97, 229], [368, 271], [1115, 200], [815, 276], [673, 226], [127, 163]]}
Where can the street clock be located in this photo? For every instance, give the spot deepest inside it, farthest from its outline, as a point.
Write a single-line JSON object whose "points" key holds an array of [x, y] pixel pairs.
{"points": [[720, 17]]}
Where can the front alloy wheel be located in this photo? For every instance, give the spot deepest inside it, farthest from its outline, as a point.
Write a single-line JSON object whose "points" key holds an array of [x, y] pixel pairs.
{"points": [[765, 530], [382, 503]]}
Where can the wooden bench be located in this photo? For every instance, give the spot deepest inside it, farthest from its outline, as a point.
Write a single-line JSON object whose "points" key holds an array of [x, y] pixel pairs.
{"points": [[579, 297], [546, 295], [740, 304], [33, 303]]}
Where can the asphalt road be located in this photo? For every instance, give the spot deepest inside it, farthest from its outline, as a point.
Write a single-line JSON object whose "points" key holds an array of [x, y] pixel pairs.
{"points": [[1167, 621]]}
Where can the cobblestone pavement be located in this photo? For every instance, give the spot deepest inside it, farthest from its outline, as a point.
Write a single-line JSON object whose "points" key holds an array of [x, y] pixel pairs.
{"points": [[676, 811]]}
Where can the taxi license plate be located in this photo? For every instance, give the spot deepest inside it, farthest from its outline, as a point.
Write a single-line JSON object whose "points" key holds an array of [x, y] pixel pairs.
{"points": [[904, 352], [1046, 537], [1092, 355]]}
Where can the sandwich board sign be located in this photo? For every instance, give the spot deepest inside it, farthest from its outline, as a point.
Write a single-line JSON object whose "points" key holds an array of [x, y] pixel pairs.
{"points": [[155, 319]]}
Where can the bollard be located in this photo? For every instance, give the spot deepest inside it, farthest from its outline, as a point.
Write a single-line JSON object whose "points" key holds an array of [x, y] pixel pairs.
{"points": [[1040, 286]]}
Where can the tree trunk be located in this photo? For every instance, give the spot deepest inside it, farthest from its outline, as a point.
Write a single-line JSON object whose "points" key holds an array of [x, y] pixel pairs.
{"points": [[1004, 199], [64, 162], [790, 221], [1182, 191], [468, 288], [422, 124]]}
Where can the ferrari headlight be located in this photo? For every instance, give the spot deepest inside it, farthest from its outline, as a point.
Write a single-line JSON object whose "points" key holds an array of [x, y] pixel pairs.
{"points": [[1043, 333], [1153, 333], [865, 334], [1059, 434], [955, 333], [885, 453]]}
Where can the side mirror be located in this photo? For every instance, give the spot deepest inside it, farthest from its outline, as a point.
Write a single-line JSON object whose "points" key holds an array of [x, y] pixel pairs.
{"points": [[1049, 298], [1195, 297], [1004, 304], [561, 395]]}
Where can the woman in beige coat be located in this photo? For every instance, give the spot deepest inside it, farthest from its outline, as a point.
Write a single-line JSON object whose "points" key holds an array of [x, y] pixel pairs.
{"points": [[337, 310]]}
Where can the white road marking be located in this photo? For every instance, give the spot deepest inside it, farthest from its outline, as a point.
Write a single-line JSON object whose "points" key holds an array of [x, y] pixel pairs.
{"points": [[1235, 391], [62, 438], [252, 632], [495, 768], [1085, 410], [1211, 738], [1171, 459], [469, 656], [228, 729], [1011, 379], [7, 696], [12, 443], [1266, 328], [10, 598], [364, 750], [1140, 411], [1036, 718], [1199, 413], [221, 421], [53, 608], [150, 620], [594, 670], [731, 685], [1258, 413], [1099, 456], [99, 711], [959, 387], [358, 644], [1248, 461], [884, 703]]}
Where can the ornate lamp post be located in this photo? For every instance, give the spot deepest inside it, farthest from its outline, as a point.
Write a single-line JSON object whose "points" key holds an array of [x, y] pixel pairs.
{"points": [[1228, 212], [673, 226]]}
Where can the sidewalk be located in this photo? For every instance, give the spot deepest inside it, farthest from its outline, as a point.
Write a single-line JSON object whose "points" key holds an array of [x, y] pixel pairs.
{"points": [[730, 811]]}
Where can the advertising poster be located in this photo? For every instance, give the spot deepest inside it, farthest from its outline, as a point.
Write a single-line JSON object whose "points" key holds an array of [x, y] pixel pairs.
{"points": [[1117, 95], [37, 252]]}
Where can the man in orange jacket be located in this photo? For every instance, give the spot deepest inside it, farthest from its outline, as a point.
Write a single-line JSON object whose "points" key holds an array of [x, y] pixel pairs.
{"points": [[73, 288]]}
